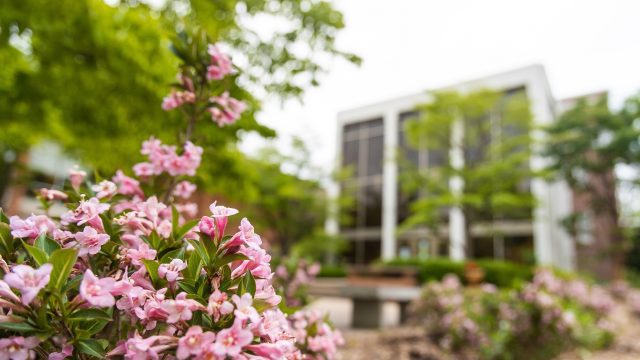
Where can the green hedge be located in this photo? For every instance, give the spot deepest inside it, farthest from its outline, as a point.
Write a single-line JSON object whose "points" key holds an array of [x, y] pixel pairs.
{"points": [[500, 273], [332, 271]]}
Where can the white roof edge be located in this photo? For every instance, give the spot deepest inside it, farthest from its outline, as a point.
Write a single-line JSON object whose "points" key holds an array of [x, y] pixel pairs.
{"points": [[533, 71]]}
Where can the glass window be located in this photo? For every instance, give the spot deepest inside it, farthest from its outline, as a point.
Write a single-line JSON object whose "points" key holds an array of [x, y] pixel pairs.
{"points": [[375, 151], [372, 205], [350, 153]]}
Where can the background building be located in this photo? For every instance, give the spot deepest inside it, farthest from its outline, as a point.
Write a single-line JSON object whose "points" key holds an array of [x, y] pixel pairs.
{"points": [[369, 139]]}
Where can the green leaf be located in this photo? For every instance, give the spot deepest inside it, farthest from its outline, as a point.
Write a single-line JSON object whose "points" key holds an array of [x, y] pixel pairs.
{"points": [[90, 314], [247, 284], [200, 250], [193, 267], [17, 326], [152, 268], [46, 244], [38, 255], [62, 261], [185, 228], [91, 347], [172, 254], [5, 238], [187, 286], [228, 259], [3, 217], [175, 216]]}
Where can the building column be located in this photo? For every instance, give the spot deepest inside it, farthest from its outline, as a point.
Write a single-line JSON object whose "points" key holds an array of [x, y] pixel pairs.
{"points": [[457, 235], [390, 186]]}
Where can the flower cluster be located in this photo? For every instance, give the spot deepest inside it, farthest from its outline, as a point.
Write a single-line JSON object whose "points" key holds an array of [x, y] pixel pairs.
{"points": [[165, 159], [292, 279], [125, 273], [224, 109], [544, 315]]}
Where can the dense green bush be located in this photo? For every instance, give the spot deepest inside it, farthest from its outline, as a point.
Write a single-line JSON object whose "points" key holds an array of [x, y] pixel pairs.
{"points": [[499, 273], [332, 271]]}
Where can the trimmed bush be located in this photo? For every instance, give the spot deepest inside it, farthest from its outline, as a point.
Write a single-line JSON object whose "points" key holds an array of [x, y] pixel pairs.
{"points": [[500, 273]]}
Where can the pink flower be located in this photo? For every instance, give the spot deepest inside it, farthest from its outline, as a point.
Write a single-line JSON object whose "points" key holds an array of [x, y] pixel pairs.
{"points": [[228, 109], [6, 293], [220, 64], [244, 310], [89, 241], [76, 177], [177, 98], [139, 348], [88, 211], [126, 185], [184, 189], [218, 305], [51, 194], [67, 351], [192, 342], [207, 226], [28, 280], [180, 309], [144, 170], [172, 270], [31, 227], [143, 252], [18, 347], [220, 214], [230, 341], [97, 292], [105, 189]]}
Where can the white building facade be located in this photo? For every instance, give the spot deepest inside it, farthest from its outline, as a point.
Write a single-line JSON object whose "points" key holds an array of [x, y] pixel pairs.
{"points": [[368, 141]]}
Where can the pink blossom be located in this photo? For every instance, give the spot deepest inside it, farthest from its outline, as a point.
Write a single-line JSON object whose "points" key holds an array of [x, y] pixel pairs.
{"points": [[76, 177], [89, 241], [18, 347], [88, 211], [139, 348], [51, 194], [188, 209], [193, 341], [177, 98], [180, 309], [97, 292], [28, 281], [144, 170], [227, 110], [104, 189], [244, 309], [184, 189], [220, 214], [143, 252], [230, 341], [6, 293], [31, 227], [172, 270], [67, 351], [126, 185], [220, 64], [207, 226], [218, 305]]}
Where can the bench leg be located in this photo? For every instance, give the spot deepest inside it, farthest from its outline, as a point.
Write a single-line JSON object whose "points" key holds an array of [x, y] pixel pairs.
{"points": [[367, 313], [404, 311]]}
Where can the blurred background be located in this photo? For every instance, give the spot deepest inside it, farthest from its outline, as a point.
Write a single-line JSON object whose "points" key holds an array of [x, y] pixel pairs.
{"points": [[393, 142]]}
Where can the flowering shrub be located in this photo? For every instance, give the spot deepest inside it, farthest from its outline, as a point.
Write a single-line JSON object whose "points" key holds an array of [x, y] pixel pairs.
{"points": [[125, 273], [536, 320], [292, 278]]}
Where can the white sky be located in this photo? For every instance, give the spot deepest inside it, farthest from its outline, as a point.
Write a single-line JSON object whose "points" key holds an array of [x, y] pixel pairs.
{"points": [[411, 45]]}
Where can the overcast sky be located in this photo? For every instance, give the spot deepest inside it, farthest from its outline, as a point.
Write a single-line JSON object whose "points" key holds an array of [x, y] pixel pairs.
{"points": [[409, 46]]}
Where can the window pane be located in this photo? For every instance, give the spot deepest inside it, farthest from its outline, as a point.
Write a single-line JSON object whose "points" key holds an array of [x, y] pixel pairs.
{"points": [[373, 206], [375, 155], [350, 151]]}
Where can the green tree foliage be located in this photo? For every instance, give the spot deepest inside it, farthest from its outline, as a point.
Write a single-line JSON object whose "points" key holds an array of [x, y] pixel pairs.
{"points": [[91, 76], [494, 146], [288, 197], [584, 146]]}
